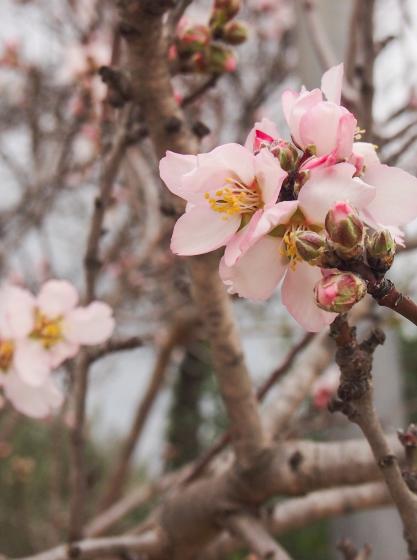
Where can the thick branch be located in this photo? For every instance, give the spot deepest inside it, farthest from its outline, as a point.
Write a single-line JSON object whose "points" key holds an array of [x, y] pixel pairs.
{"points": [[355, 399], [147, 50]]}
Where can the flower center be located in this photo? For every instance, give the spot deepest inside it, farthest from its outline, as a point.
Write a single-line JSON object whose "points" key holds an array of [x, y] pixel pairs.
{"points": [[6, 354], [289, 248], [235, 198], [47, 331]]}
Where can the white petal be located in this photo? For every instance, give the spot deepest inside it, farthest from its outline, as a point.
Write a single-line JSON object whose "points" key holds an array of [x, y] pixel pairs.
{"points": [[17, 308], [297, 295], [31, 362], [395, 202], [56, 298], [329, 185], [258, 272], [61, 351], [331, 83], [201, 230], [173, 167], [89, 325], [36, 402]]}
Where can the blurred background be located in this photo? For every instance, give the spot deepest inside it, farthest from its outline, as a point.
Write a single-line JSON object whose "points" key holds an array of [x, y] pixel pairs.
{"points": [[56, 122]]}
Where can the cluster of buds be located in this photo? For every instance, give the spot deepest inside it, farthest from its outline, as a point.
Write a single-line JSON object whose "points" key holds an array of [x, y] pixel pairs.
{"points": [[197, 47], [345, 239]]}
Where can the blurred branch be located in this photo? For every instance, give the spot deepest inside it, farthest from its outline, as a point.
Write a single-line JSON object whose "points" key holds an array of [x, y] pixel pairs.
{"points": [[251, 531], [113, 346], [322, 46], [176, 335], [80, 380]]}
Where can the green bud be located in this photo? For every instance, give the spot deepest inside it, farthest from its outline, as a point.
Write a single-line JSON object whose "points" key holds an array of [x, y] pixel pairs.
{"points": [[338, 292], [220, 60], [223, 12], [310, 246], [234, 33], [286, 153], [345, 230], [380, 250], [193, 39]]}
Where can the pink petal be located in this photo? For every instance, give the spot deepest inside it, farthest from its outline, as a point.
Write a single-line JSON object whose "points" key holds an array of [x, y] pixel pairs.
{"points": [[36, 402], [89, 325], [302, 106], [329, 185], [229, 160], [288, 100], [331, 83], [173, 167], [201, 230], [329, 127], [269, 175], [395, 202], [258, 272], [297, 295], [16, 312], [366, 151], [56, 298], [262, 222], [345, 134], [31, 362], [61, 351], [266, 126]]}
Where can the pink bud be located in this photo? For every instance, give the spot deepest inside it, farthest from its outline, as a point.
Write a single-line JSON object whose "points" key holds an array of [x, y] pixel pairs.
{"points": [[345, 229], [338, 292]]}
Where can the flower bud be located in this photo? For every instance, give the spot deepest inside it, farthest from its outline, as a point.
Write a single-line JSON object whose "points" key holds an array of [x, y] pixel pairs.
{"points": [[345, 230], [223, 11], [193, 39], [221, 60], [310, 246], [234, 33], [339, 292], [380, 250], [286, 153]]}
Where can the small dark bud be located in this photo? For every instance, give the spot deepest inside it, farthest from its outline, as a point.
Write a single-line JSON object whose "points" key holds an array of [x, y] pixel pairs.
{"points": [[380, 250]]}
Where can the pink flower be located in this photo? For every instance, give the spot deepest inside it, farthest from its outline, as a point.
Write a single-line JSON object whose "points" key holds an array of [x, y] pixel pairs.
{"points": [[254, 267], [16, 323], [322, 124], [38, 334], [225, 189]]}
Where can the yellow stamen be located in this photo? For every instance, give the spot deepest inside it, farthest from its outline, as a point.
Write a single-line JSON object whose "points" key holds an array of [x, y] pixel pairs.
{"points": [[288, 247], [6, 354], [235, 199], [47, 331], [359, 132]]}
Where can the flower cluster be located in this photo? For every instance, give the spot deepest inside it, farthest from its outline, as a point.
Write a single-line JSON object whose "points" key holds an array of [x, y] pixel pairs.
{"points": [[203, 48], [37, 334], [294, 211]]}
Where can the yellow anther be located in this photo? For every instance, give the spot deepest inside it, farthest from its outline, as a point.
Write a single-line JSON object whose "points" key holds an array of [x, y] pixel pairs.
{"points": [[47, 331], [359, 132], [235, 198], [288, 247], [6, 354]]}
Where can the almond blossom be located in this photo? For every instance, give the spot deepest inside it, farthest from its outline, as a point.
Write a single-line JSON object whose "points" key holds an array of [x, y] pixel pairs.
{"points": [[16, 323], [225, 189], [37, 334], [319, 124], [273, 254], [258, 200]]}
